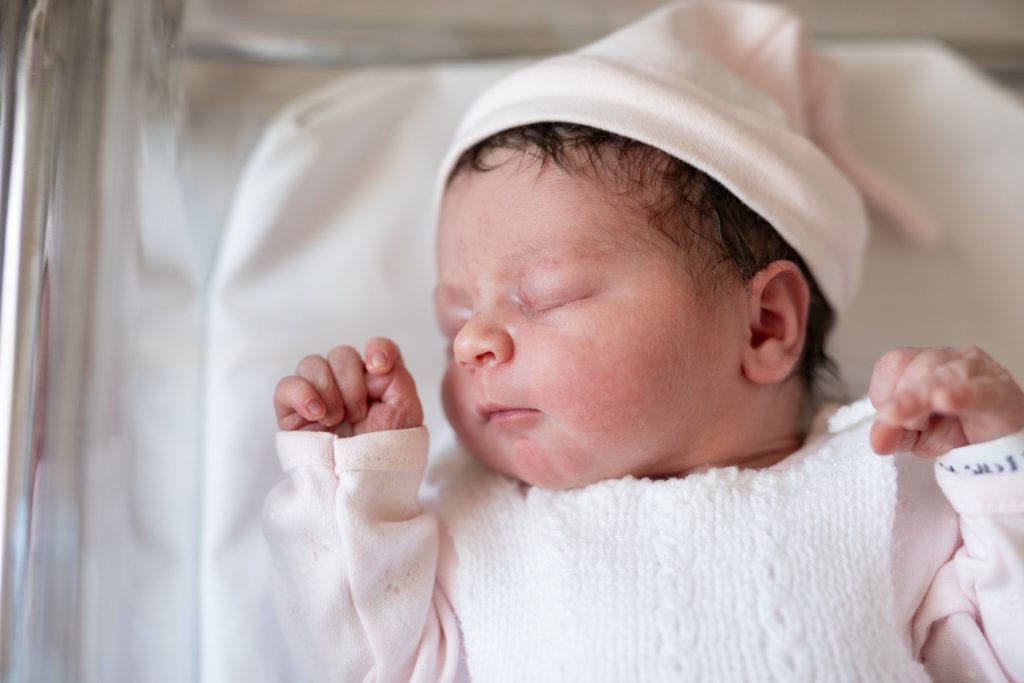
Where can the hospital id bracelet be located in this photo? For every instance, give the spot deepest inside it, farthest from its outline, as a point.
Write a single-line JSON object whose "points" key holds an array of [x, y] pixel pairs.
{"points": [[999, 456]]}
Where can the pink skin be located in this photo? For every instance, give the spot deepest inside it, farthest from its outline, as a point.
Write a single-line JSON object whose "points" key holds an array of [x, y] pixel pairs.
{"points": [[581, 349], [932, 400], [342, 394]]}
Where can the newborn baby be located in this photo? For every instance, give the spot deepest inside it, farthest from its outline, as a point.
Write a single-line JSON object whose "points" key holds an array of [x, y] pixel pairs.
{"points": [[634, 352]]}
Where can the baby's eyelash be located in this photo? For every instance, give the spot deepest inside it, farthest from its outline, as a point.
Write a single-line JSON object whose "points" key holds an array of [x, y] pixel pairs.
{"points": [[534, 312]]}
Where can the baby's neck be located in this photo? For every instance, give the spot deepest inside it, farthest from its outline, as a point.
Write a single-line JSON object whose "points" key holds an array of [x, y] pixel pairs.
{"points": [[767, 431], [771, 454]]}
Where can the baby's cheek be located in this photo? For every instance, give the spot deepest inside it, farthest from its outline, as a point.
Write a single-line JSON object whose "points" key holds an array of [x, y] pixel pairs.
{"points": [[608, 392], [455, 403]]}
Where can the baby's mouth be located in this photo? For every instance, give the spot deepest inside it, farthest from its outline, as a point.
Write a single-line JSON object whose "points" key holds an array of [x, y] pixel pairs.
{"points": [[510, 415], [500, 415]]}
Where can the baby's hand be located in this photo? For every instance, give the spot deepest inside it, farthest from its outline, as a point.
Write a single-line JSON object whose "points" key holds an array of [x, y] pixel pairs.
{"points": [[343, 395], [933, 400]]}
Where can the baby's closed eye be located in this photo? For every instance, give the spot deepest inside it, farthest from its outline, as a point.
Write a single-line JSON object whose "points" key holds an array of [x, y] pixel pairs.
{"points": [[534, 310], [539, 297]]}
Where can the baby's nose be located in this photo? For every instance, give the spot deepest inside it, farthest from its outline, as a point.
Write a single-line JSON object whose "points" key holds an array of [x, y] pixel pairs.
{"points": [[482, 342]]}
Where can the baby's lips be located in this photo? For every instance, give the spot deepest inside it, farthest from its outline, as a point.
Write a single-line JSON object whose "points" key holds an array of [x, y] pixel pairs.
{"points": [[487, 409]]}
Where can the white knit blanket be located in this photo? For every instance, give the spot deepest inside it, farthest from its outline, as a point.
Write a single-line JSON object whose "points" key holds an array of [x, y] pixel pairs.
{"points": [[733, 575]]}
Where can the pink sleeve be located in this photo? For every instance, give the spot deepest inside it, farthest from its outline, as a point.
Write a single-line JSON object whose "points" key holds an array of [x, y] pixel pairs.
{"points": [[960, 549], [355, 560]]}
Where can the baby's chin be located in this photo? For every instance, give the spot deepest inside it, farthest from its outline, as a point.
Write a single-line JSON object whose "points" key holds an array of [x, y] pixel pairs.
{"points": [[532, 465]]}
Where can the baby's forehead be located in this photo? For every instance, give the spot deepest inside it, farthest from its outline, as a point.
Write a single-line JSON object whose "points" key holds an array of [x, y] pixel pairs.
{"points": [[541, 215], [591, 243], [610, 205], [527, 253]]}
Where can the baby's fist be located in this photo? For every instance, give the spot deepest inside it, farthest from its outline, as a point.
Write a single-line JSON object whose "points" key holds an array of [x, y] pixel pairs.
{"points": [[345, 395], [933, 400]]}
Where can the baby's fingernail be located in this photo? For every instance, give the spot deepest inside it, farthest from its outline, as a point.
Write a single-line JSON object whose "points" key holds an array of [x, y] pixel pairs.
{"points": [[315, 408], [379, 361]]}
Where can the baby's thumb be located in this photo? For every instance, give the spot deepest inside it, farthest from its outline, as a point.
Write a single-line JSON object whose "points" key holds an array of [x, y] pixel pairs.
{"points": [[394, 402]]}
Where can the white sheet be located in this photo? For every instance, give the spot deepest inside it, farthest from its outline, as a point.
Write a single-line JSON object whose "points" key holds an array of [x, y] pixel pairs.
{"points": [[329, 241], [956, 142]]}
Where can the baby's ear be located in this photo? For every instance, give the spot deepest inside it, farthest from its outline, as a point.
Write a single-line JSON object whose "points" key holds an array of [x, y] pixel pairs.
{"points": [[777, 308]]}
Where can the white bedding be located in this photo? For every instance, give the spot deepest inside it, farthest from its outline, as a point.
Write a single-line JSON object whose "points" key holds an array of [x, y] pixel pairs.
{"points": [[329, 241]]}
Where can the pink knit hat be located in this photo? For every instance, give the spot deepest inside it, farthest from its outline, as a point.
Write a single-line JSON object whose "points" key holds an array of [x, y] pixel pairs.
{"points": [[733, 89]]}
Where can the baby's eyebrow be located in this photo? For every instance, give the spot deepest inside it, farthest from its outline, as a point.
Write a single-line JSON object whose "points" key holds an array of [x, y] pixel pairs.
{"points": [[587, 248], [548, 256]]}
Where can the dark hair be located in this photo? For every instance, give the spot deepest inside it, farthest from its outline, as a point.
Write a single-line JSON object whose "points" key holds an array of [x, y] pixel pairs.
{"points": [[713, 228]]}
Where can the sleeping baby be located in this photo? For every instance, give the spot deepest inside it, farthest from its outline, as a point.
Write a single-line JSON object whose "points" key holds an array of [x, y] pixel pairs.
{"points": [[641, 249]]}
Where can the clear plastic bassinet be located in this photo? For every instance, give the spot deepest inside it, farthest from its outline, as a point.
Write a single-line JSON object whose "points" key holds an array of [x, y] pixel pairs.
{"points": [[159, 163]]}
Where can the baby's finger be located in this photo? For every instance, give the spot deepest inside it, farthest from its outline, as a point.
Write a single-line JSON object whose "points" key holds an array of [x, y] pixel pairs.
{"points": [[940, 436], [381, 355], [395, 383], [397, 404], [909, 403], [887, 373], [297, 403], [907, 409], [887, 438], [348, 371], [943, 370], [920, 371], [978, 395], [954, 388], [317, 371]]}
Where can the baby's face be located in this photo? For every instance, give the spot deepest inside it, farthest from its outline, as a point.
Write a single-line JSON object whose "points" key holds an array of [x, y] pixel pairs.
{"points": [[580, 348]]}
